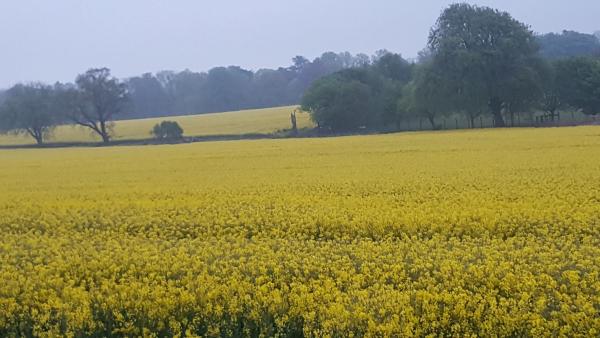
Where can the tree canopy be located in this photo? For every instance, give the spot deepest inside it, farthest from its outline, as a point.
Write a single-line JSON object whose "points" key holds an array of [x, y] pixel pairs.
{"points": [[29, 109], [232, 88], [478, 61], [338, 104], [359, 97], [425, 96], [579, 80], [96, 100], [568, 44], [167, 130], [486, 48]]}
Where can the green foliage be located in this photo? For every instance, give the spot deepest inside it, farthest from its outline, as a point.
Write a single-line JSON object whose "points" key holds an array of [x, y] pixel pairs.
{"points": [[550, 101], [579, 83], [425, 97], [527, 88], [357, 98], [478, 60], [29, 109], [149, 95], [338, 103], [484, 52], [232, 88], [568, 44], [394, 67], [167, 130]]}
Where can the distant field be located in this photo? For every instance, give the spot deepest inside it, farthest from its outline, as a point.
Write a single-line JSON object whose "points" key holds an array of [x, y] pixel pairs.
{"points": [[239, 122]]}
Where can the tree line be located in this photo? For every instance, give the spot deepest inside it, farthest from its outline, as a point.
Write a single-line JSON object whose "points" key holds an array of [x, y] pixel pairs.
{"points": [[478, 61], [96, 98], [231, 88], [91, 102]]}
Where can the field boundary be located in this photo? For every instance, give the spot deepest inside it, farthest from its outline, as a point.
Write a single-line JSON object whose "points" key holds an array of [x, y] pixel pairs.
{"points": [[142, 142], [280, 134]]}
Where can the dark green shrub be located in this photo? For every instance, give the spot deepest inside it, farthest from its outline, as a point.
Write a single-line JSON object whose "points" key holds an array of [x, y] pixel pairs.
{"points": [[167, 130]]}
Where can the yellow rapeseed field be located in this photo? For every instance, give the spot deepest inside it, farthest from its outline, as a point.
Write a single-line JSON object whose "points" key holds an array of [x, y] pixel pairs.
{"points": [[264, 121], [470, 233]]}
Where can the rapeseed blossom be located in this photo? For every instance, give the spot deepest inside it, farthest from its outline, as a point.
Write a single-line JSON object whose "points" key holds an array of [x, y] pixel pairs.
{"points": [[475, 233]]}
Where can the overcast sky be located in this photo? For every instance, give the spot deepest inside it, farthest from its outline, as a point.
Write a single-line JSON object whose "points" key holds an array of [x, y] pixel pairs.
{"points": [[55, 40]]}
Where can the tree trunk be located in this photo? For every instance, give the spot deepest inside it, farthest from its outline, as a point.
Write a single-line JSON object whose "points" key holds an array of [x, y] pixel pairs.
{"points": [[551, 114], [496, 108], [104, 133], [38, 135], [431, 119], [499, 120], [294, 124]]}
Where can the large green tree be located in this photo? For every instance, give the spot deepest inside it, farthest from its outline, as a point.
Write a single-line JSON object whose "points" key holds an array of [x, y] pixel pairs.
{"points": [[486, 49], [550, 101], [394, 67], [527, 89], [426, 96], [340, 102], [579, 83], [31, 110]]}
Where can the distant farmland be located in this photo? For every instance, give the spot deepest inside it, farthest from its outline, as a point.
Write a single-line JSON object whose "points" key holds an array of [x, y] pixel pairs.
{"points": [[230, 123]]}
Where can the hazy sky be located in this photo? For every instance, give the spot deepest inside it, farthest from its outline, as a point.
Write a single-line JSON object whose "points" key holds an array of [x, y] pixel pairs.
{"points": [[51, 40]]}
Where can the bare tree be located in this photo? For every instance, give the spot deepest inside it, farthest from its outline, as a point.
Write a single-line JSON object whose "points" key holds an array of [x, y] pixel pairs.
{"points": [[96, 100]]}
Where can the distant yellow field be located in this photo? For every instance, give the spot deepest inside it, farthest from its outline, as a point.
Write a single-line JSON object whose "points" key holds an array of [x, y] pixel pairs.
{"points": [[239, 122]]}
